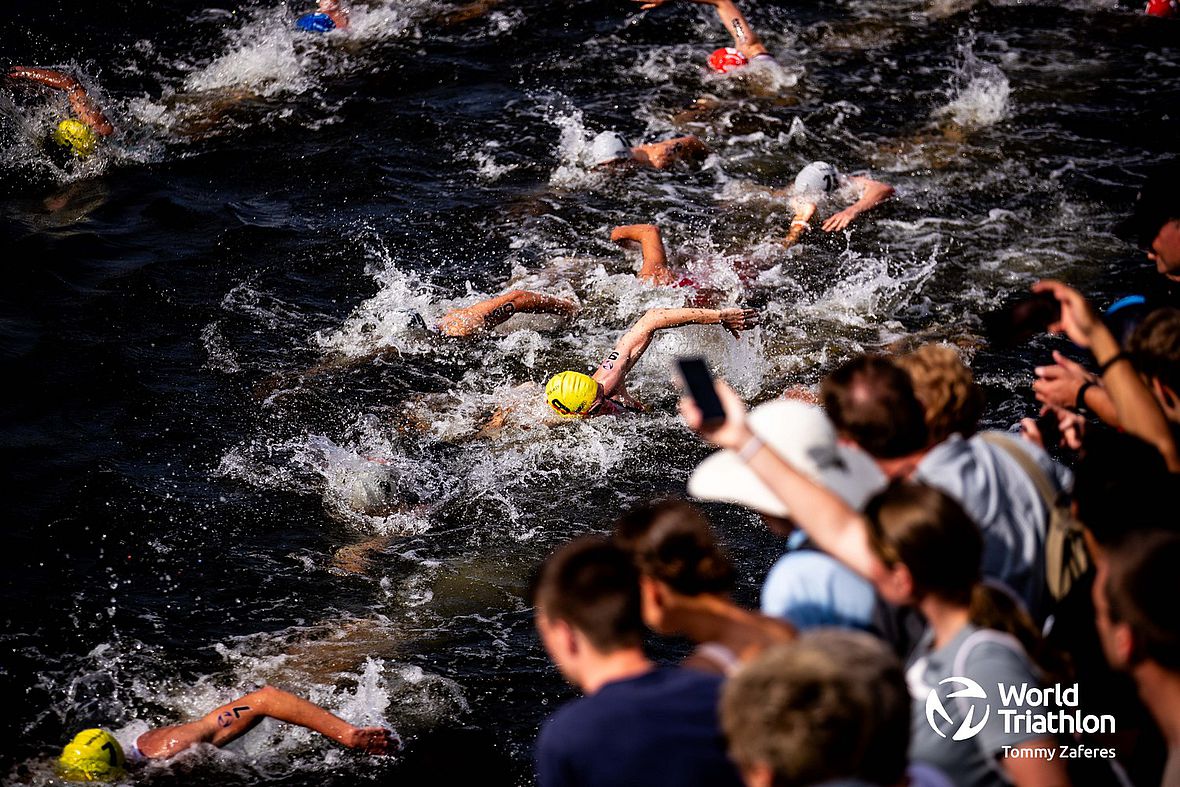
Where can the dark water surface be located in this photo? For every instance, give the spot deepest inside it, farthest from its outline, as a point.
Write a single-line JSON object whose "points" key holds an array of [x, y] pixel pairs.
{"points": [[179, 493]]}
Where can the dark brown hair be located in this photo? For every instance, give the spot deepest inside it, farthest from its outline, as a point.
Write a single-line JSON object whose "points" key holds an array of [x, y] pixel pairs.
{"points": [[592, 585], [1155, 347], [1139, 591], [671, 541], [929, 533], [871, 401]]}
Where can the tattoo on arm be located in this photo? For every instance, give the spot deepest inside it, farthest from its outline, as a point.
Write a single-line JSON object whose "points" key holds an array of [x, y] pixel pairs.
{"points": [[228, 717], [739, 31], [502, 313], [608, 363]]}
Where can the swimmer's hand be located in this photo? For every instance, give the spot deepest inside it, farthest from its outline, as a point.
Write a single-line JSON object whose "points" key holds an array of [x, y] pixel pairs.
{"points": [[840, 220], [737, 320], [372, 740]]}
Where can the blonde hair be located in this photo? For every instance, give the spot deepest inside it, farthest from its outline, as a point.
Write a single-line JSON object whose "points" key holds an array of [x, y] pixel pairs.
{"points": [[946, 388]]}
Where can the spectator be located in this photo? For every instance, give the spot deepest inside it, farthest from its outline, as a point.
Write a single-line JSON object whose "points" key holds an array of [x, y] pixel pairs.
{"points": [[832, 707], [685, 582], [918, 546], [638, 723], [1139, 624], [1150, 338], [1155, 353], [806, 587], [873, 402], [1155, 224], [1138, 411]]}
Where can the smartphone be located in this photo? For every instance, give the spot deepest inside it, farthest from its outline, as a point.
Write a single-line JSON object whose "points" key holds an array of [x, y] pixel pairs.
{"points": [[1021, 320], [699, 383], [1050, 430]]}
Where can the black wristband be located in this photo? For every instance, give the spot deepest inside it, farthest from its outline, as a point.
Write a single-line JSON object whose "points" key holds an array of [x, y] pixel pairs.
{"points": [[1079, 402], [1119, 356]]}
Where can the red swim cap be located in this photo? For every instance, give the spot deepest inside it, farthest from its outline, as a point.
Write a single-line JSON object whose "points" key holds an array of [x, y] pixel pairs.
{"points": [[726, 59], [1161, 8]]}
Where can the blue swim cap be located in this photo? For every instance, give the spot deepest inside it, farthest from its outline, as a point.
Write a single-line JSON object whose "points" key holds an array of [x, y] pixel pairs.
{"points": [[315, 23]]}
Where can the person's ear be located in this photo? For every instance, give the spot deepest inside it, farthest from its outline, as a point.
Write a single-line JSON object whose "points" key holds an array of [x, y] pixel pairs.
{"points": [[1167, 399], [897, 585], [1123, 644], [653, 600]]}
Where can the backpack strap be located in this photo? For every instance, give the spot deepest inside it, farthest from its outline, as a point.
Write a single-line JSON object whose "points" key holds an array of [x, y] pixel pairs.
{"points": [[1049, 492]]}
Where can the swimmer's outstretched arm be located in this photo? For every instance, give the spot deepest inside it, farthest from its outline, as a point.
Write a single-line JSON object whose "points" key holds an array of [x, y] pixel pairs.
{"points": [[873, 193], [236, 718], [655, 259], [800, 223], [335, 12], [83, 106], [490, 313], [634, 343], [745, 40]]}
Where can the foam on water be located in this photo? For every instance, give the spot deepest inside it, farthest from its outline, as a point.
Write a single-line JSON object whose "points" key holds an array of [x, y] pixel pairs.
{"points": [[979, 93]]}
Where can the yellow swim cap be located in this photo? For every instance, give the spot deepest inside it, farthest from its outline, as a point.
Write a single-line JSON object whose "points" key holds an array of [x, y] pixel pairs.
{"points": [[75, 135], [571, 393], [92, 756]]}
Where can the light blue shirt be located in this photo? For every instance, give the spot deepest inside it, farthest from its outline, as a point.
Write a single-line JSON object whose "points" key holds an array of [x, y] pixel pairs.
{"points": [[810, 588]]}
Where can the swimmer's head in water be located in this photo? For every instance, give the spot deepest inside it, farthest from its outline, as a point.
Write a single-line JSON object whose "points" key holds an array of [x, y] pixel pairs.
{"points": [[571, 394], [92, 756], [315, 23], [818, 177], [726, 59], [76, 136], [609, 146]]}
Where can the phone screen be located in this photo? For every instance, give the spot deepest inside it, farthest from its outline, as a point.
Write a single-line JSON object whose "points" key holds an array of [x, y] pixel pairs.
{"points": [[699, 383]]}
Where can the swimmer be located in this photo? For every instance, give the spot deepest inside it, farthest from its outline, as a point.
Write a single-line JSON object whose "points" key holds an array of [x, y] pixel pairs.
{"points": [[329, 15], [95, 755], [747, 47], [820, 182], [78, 135], [463, 323], [610, 149], [577, 395]]}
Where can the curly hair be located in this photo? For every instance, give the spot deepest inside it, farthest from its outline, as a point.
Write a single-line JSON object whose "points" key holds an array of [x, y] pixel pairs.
{"points": [[946, 388]]}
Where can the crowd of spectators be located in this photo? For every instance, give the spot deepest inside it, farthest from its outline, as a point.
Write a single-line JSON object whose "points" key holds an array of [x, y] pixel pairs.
{"points": [[955, 605]]}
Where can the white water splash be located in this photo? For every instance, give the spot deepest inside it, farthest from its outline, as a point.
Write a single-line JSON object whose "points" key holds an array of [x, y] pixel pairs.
{"points": [[979, 93]]}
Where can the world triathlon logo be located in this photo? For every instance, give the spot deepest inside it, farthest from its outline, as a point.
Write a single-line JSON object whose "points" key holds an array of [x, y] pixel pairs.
{"points": [[971, 690]]}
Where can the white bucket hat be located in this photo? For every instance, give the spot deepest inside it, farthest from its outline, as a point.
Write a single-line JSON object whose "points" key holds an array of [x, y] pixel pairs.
{"points": [[802, 435]]}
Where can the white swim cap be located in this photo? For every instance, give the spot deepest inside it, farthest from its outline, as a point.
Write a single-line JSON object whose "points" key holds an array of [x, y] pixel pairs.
{"points": [[817, 177], [609, 146]]}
